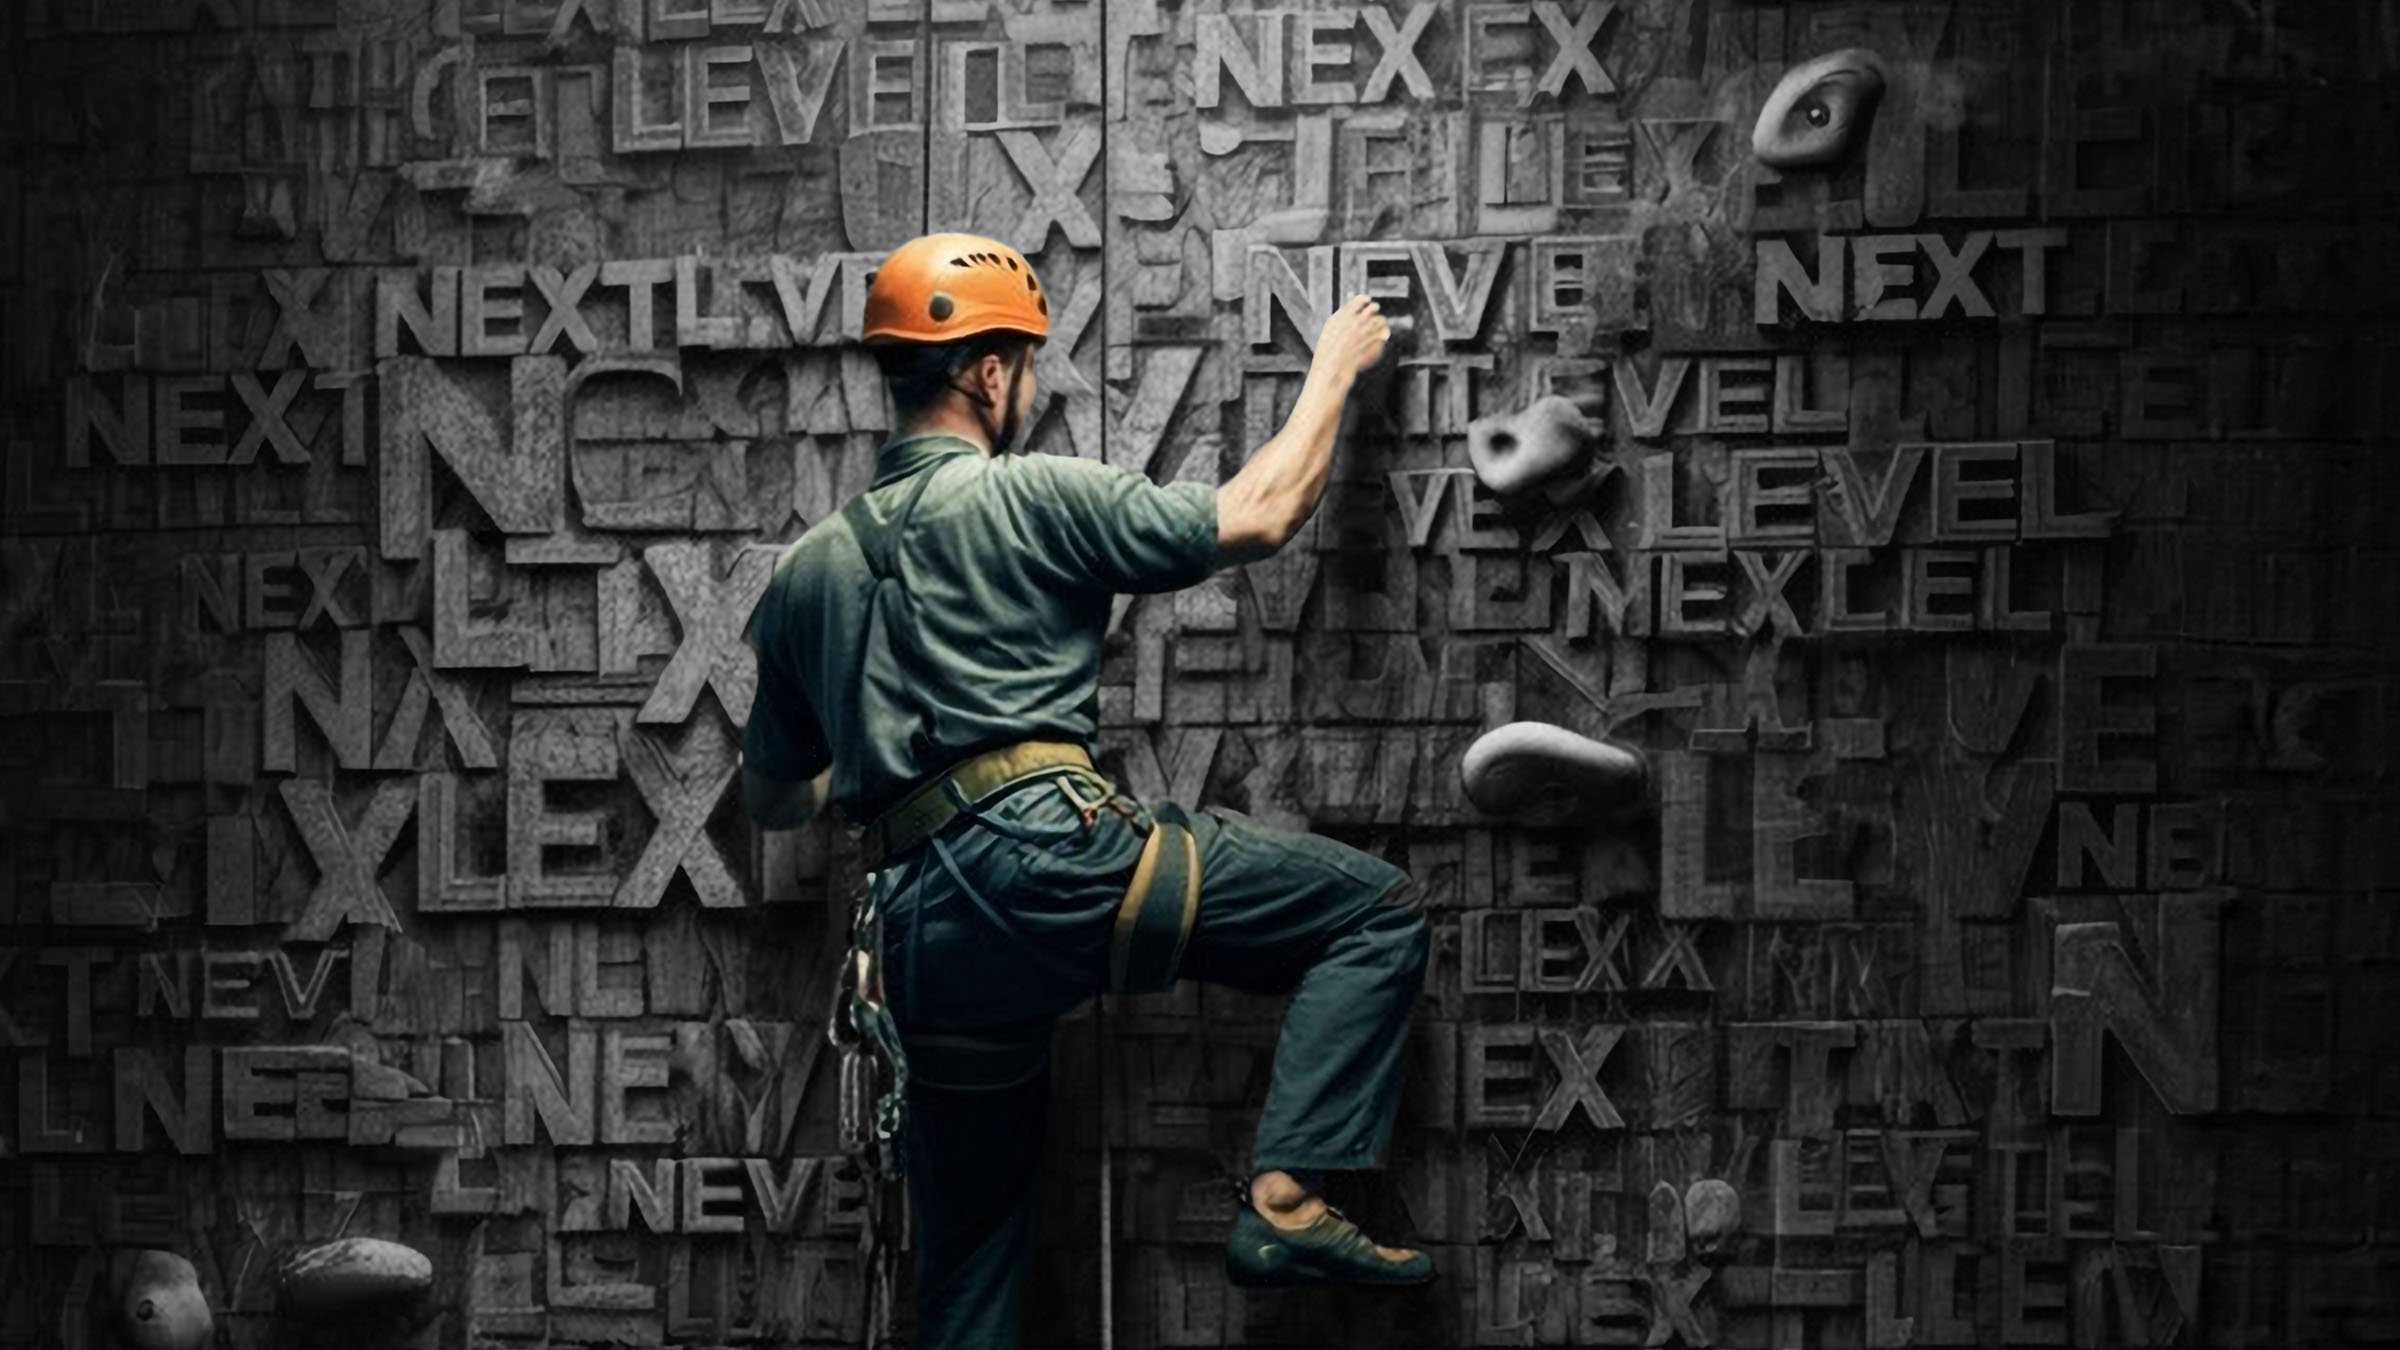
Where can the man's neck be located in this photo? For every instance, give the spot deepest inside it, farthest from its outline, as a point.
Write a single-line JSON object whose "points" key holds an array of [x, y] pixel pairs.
{"points": [[950, 420]]}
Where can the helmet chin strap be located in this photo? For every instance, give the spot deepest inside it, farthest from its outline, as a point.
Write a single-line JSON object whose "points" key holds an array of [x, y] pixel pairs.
{"points": [[1008, 428], [1005, 435]]}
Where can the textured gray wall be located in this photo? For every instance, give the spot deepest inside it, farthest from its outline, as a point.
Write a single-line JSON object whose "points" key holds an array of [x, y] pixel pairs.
{"points": [[1987, 539]]}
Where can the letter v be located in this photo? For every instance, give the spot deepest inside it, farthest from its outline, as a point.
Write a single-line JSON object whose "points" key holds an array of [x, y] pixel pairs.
{"points": [[1646, 411], [1872, 510]]}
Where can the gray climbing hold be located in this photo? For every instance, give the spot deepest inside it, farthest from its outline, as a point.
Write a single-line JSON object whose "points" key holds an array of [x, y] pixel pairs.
{"points": [[1712, 1211], [1545, 446], [352, 1276], [1819, 111], [158, 1302], [1546, 774]]}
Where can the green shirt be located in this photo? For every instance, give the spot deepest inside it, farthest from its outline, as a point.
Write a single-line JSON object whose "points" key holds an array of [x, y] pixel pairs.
{"points": [[988, 630]]}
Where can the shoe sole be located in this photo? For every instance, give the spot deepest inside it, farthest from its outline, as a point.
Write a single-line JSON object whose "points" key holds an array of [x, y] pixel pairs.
{"points": [[1300, 1267]]}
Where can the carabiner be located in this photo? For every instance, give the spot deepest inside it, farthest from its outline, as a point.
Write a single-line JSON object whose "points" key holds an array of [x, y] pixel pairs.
{"points": [[1090, 811], [859, 962]]}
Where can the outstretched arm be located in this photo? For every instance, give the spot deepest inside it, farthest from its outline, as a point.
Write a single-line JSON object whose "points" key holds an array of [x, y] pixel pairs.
{"points": [[1263, 506]]}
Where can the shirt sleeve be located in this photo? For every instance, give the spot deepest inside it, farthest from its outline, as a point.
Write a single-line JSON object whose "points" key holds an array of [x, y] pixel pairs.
{"points": [[784, 739], [1122, 531]]}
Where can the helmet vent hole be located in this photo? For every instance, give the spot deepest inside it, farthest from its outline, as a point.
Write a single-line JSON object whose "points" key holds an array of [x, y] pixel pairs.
{"points": [[958, 262], [1012, 264], [1029, 284], [939, 307], [1041, 304]]}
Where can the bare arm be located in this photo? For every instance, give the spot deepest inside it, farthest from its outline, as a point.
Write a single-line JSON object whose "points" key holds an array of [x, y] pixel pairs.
{"points": [[1263, 506]]}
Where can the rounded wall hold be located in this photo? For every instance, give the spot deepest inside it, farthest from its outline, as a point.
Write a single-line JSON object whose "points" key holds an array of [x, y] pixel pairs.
{"points": [[1539, 773], [1712, 1211], [1819, 111], [1663, 1235], [352, 1277], [159, 1305], [1546, 441]]}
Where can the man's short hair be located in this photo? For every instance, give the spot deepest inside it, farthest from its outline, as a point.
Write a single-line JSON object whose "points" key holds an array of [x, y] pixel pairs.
{"points": [[919, 373]]}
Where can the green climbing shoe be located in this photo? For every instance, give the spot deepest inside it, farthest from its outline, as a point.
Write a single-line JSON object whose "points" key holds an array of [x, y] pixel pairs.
{"points": [[1329, 1251]]}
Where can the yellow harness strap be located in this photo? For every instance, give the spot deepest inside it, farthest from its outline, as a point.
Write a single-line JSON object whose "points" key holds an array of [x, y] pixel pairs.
{"points": [[1155, 918], [929, 806]]}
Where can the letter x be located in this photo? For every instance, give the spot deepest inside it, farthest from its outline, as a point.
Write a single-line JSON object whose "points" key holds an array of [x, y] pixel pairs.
{"points": [[325, 568], [1766, 601], [1399, 50], [1581, 520], [1516, 1188], [563, 292], [1604, 971], [680, 797], [1575, 56], [1671, 1311], [1953, 277], [712, 615], [1578, 1068], [320, 334], [1679, 955], [1677, 145], [347, 863], [468, 735], [1054, 184], [1055, 364], [266, 418]]}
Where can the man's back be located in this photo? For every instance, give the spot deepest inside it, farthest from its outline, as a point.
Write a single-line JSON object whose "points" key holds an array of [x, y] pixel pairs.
{"points": [[999, 576]]}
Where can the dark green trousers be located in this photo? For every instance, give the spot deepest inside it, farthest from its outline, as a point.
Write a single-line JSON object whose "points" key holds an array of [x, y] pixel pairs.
{"points": [[989, 934]]}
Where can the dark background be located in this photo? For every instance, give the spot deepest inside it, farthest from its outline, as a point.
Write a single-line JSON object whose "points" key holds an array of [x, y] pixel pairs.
{"points": [[403, 403]]}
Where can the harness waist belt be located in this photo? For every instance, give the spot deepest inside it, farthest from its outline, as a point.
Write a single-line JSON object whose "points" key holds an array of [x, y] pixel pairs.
{"points": [[927, 808], [1154, 918]]}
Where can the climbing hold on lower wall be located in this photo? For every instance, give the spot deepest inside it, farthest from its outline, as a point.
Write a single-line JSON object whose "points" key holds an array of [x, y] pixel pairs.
{"points": [[1712, 1210], [351, 1278], [1546, 774], [1819, 111], [158, 1302], [1545, 446]]}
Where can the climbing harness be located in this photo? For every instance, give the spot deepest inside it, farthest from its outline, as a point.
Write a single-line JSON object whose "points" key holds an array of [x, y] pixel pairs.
{"points": [[1152, 924], [1153, 918]]}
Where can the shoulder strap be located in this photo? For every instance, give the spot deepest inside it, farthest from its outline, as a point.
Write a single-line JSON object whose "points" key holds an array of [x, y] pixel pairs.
{"points": [[875, 538]]}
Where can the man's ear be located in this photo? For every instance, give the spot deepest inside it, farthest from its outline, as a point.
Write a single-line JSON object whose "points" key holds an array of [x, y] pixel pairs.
{"points": [[992, 375]]}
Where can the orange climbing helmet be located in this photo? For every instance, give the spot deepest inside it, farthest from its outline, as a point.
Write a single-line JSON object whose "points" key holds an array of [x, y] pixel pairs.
{"points": [[947, 287]]}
